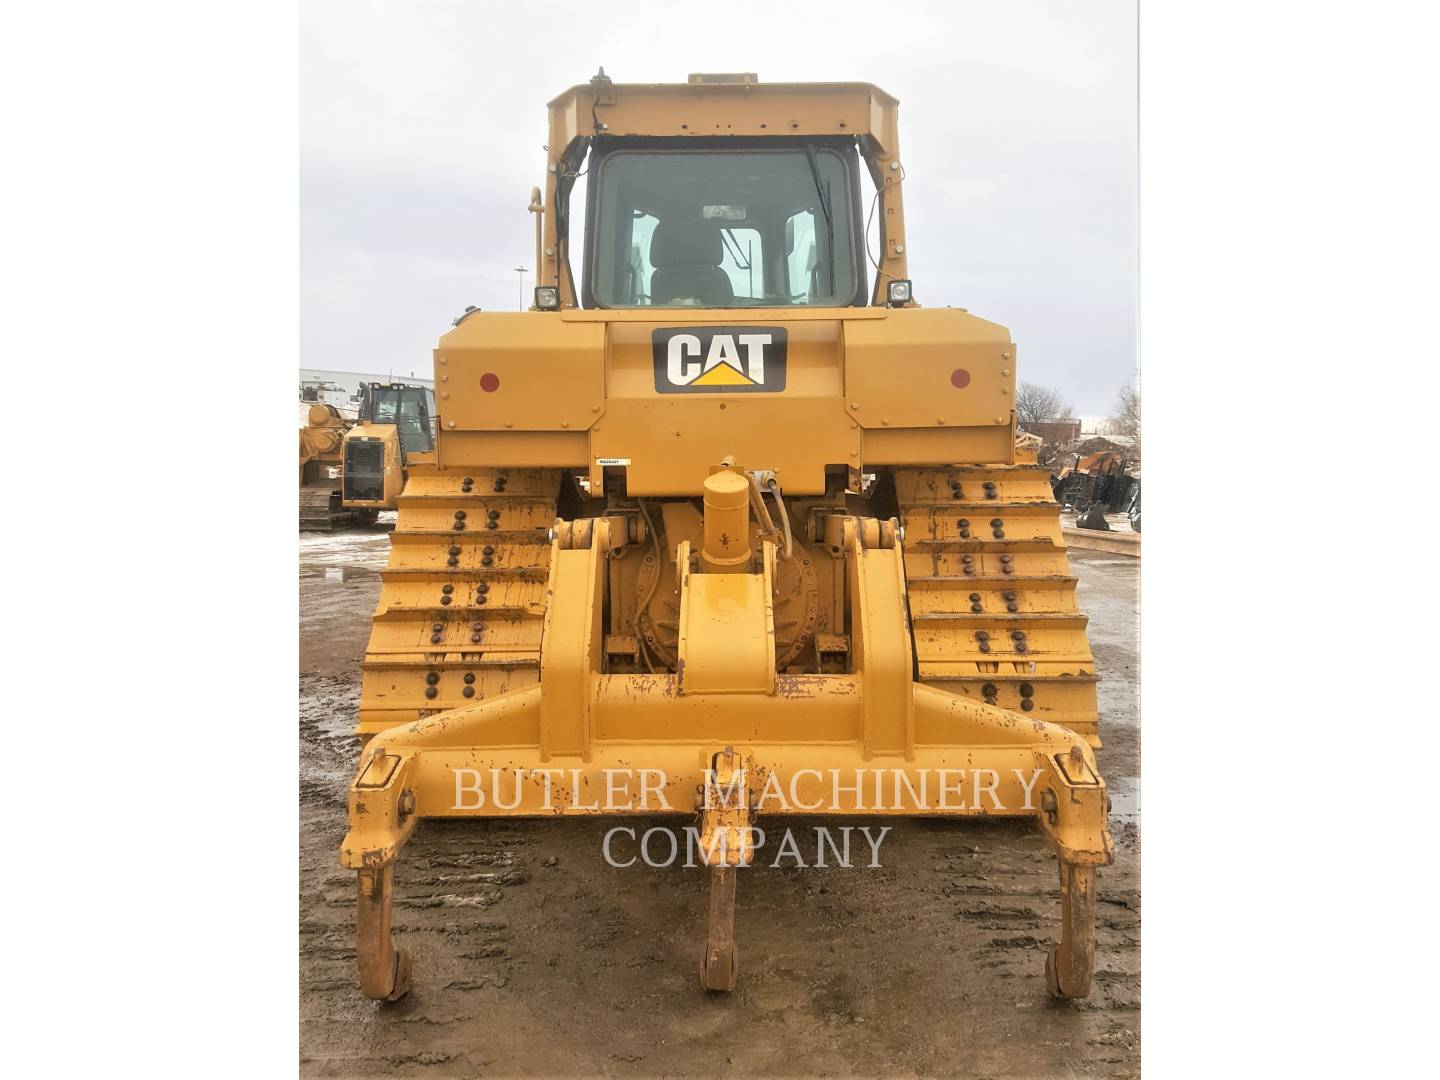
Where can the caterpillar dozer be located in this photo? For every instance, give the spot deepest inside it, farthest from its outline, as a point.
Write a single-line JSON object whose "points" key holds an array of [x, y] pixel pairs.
{"points": [[351, 468], [321, 448], [728, 517], [396, 421]]}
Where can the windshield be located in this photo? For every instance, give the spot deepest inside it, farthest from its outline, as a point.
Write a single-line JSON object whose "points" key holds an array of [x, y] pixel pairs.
{"points": [[411, 410], [387, 404], [724, 228]]}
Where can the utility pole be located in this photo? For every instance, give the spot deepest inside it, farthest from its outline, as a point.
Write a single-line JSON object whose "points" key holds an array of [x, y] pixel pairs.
{"points": [[522, 271]]}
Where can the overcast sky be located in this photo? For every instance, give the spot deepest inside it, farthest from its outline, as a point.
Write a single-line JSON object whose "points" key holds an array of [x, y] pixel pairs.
{"points": [[423, 121]]}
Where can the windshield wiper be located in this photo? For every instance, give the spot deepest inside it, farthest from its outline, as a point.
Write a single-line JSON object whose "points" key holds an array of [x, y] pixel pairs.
{"points": [[825, 209]]}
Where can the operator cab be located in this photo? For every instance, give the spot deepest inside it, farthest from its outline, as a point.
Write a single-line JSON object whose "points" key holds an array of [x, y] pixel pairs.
{"points": [[410, 408]]}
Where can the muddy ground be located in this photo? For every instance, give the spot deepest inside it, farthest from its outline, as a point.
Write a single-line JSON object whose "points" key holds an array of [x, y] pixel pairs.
{"points": [[533, 957]]}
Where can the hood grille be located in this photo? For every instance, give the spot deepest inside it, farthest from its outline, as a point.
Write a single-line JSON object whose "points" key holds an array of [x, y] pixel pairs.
{"points": [[364, 477]]}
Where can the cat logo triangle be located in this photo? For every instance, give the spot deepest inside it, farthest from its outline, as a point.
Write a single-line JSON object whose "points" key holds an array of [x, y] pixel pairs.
{"points": [[722, 375]]}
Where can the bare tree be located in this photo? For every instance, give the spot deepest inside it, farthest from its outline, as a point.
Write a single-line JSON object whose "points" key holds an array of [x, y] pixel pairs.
{"points": [[1125, 420], [1036, 403]]}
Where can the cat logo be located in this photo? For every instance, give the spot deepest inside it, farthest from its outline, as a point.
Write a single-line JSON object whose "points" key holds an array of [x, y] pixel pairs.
{"points": [[719, 359]]}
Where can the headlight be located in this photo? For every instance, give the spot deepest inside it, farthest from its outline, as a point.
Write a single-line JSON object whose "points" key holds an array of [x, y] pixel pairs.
{"points": [[547, 297], [899, 292]]}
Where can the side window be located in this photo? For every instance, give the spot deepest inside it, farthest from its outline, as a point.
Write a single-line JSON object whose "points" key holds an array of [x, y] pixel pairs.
{"points": [[642, 231], [743, 261], [413, 421], [800, 257]]}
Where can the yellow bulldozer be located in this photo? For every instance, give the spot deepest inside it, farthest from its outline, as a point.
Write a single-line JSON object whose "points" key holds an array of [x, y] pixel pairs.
{"points": [[351, 469], [727, 524], [396, 421]]}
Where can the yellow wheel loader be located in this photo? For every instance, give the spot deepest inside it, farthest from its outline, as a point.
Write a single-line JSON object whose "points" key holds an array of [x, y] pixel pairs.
{"points": [[396, 421], [322, 440], [726, 525]]}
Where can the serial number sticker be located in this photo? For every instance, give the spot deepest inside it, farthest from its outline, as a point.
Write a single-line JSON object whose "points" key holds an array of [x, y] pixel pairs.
{"points": [[612, 461]]}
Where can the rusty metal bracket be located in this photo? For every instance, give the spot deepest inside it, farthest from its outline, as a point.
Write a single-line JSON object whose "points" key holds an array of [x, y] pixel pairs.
{"points": [[384, 969], [1070, 965], [1073, 811], [726, 843], [382, 817]]}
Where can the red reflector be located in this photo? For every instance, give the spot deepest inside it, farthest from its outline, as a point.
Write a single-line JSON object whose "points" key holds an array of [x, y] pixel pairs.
{"points": [[490, 382], [959, 378]]}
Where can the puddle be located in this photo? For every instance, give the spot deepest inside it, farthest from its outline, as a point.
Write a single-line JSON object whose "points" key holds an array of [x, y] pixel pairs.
{"points": [[354, 550], [340, 574], [1124, 801]]}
